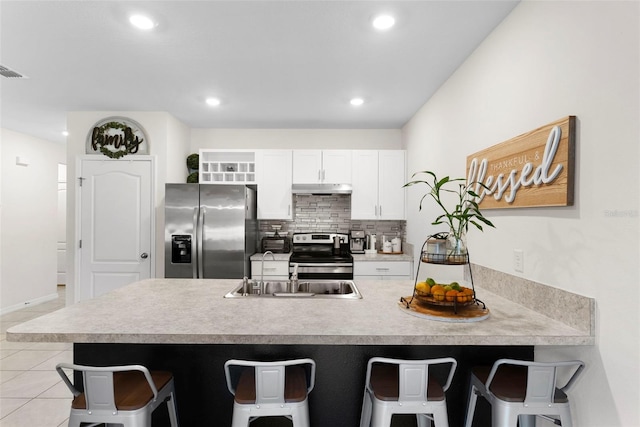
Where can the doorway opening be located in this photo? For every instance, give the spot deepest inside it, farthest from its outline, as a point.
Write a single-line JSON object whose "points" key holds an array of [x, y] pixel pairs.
{"points": [[61, 226]]}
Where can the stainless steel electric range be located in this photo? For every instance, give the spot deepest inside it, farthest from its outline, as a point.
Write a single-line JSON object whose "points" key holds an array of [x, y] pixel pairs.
{"points": [[321, 256]]}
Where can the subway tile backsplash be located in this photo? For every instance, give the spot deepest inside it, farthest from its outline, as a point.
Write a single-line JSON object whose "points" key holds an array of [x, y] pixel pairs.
{"points": [[329, 214]]}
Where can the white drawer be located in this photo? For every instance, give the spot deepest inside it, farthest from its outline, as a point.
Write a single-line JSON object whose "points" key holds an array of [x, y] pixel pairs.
{"points": [[390, 268], [271, 268]]}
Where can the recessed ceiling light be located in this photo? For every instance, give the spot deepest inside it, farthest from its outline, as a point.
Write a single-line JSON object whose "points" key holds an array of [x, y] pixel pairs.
{"points": [[213, 102], [65, 133], [383, 22], [142, 22], [356, 102]]}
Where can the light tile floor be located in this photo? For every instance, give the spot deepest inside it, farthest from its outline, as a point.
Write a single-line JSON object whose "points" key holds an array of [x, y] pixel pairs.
{"points": [[32, 393]]}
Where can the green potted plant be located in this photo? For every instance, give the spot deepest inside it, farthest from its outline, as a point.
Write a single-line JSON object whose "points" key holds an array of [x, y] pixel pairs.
{"points": [[465, 211], [193, 162]]}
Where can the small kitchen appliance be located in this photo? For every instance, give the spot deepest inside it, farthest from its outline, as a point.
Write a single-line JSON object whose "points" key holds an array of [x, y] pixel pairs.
{"points": [[322, 256], [280, 244], [356, 241]]}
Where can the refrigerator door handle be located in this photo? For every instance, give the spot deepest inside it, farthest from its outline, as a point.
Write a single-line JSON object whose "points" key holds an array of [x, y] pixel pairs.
{"points": [[194, 260], [200, 231]]}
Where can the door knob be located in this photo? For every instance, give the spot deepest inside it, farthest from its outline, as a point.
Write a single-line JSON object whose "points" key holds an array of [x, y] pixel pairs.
{"points": [[144, 255]]}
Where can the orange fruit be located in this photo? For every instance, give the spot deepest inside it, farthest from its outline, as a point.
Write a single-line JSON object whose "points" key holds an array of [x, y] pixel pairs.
{"points": [[451, 295], [437, 288], [438, 294], [461, 297]]}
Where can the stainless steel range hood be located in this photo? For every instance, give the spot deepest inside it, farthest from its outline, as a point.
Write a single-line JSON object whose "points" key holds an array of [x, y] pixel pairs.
{"points": [[321, 188]]}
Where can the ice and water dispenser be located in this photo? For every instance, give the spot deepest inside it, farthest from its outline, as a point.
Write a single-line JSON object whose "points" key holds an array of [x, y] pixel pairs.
{"points": [[181, 248]]}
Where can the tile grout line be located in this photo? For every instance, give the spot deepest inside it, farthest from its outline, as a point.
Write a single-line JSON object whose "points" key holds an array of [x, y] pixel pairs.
{"points": [[30, 408]]}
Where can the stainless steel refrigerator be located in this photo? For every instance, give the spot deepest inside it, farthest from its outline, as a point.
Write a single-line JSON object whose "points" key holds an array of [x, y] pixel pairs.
{"points": [[210, 230]]}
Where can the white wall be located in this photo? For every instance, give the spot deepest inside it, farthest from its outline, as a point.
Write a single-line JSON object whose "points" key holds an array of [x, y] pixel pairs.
{"points": [[28, 240], [1, 204], [548, 60], [177, 150], [372, 139]]}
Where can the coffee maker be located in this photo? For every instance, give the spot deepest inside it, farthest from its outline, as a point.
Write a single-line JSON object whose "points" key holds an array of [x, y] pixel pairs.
{"points": [[356, 241]]}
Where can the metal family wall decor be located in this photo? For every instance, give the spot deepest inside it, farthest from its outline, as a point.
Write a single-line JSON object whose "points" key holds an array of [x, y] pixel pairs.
{"points": [[531, 170], [116, 137]]}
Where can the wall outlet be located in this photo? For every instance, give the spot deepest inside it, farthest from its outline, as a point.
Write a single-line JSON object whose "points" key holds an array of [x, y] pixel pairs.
{"points": [[518, 260]]}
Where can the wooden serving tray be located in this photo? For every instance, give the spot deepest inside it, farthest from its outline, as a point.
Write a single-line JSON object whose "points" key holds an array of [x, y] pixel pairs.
{"points": [[462, 314]]}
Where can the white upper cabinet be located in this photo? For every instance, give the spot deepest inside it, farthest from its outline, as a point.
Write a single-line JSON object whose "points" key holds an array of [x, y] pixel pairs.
{"points": [[273, 176], [307, 166], [364, 196], [227, 167], [322, 166], [336, 166], [378, 179], [391, 179]]}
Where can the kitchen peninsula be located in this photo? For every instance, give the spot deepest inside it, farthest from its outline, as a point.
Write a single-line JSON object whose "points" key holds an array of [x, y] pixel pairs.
{"points": [[188, 327]]}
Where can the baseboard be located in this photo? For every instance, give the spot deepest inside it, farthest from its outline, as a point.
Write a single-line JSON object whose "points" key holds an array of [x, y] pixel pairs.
{"points": [[29, 303]]}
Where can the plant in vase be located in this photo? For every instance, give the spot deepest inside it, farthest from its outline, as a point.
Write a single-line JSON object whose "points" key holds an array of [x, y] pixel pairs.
{"points": [[193, 163], [464, 212]]}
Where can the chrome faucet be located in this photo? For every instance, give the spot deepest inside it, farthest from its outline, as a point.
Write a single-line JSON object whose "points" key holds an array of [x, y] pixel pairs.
{"points": [[262, 270], [294, 278]]}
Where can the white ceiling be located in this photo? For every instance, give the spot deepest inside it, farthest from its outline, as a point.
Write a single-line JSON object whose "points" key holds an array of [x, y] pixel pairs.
{"points": [[274, 64]]}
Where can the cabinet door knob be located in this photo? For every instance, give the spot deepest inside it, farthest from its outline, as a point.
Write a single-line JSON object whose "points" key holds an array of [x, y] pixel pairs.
{"points": [[144, 255]]}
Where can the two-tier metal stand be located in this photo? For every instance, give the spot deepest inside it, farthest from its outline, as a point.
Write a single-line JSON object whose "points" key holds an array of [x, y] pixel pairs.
{"points": [[442, 257]]}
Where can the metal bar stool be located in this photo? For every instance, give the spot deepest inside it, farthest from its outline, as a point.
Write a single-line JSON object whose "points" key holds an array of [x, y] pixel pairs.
{"points": [[124, 395], [522, 389], [395, 386], [263, 389]]}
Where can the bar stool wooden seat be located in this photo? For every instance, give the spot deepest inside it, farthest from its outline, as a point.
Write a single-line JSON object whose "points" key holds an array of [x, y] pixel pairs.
{"points": [[395, 386], [521, 390], [263, 389], [124, 395]]}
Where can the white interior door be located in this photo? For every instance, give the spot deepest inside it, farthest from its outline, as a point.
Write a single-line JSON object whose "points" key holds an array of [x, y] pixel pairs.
{"points": [[116, 224]]}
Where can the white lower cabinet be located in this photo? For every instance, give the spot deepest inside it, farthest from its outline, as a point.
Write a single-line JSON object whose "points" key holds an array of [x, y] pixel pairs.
{"points": [[273, 270], [382, 270]]}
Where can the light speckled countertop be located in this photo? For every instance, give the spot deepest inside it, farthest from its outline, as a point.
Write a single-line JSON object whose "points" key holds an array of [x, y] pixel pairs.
{"points": [[187, 311], [382, 257], [377, 257], [276, 257]]}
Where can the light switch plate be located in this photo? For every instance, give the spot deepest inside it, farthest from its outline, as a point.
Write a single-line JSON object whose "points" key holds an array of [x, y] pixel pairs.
{"points": [[22, 161], [518, 260]]}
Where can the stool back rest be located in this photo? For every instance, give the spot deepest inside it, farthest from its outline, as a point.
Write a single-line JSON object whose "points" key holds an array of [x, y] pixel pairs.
{"points": [[269, 384], [541, 377], [414, 375], [98, 391], [413, 380], [541, 384], [270, 377], [98, 384]]}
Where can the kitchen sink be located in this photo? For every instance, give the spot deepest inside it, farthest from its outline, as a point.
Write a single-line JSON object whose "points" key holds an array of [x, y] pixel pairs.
{"points": [[339, 289]]}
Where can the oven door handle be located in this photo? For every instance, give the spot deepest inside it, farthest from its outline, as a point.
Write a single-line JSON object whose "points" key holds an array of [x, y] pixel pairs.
{"points": [[324, 264]]}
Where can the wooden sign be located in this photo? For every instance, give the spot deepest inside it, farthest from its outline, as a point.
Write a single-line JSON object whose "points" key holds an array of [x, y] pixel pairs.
{"points": [[531, 170], [116, 137]]}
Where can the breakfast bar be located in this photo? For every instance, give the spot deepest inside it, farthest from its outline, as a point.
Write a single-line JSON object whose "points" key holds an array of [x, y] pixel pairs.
{"points": [[188, 327]]}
